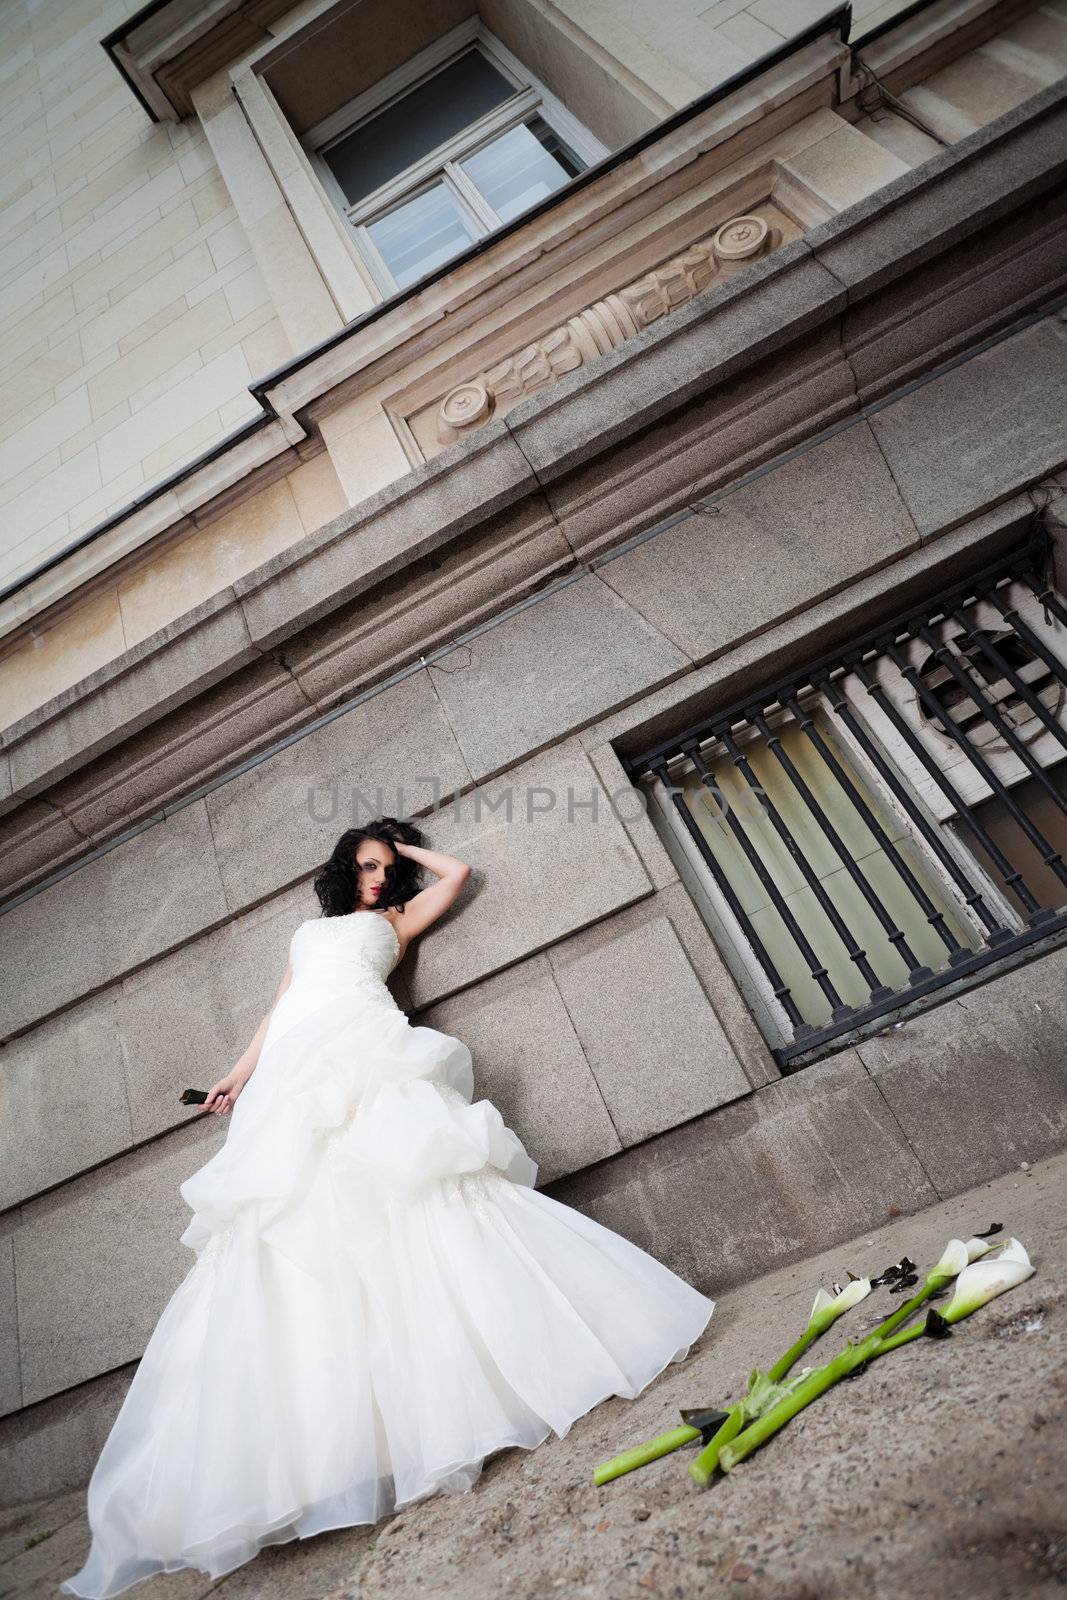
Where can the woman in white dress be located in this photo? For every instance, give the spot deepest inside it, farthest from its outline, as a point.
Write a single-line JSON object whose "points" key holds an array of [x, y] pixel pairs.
{"points": [[380, 1297]]}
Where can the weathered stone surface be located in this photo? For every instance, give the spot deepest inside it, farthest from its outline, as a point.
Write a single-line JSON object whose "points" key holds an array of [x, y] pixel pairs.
{"points": [[528, 1061], [274, 822], [545, 670], [63, 1102], [947, 460], [951, 303], [762, 552], [10, 1374], [166, 669], [772, 304], [547, 864], [655, 1045], [956, 194], [718, 437], [184, 1020], [795, 1166], [121, 909], [979, 1084], [409, 518], [97, 1260], [428, 602]]}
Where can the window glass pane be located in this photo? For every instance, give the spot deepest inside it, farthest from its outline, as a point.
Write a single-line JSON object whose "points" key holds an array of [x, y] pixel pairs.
{"points": [[521, 167], [416, 124], [421, 233]]}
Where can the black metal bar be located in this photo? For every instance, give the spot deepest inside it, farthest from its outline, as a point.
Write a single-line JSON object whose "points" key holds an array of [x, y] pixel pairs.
{"points": [[912, 676], [782, 992], [1029, 638], [1018, 562], [949, 790], [976, 961], [894, 934], [990, 712], [1018, 683], [917, 971], [818, 970], [1047, 596], [995, 931]]}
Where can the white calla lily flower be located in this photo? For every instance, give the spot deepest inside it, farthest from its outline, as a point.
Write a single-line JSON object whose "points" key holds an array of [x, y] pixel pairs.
{"points": [[980, 1247], [828, 1307], [953, 1261], [982, 1281]]}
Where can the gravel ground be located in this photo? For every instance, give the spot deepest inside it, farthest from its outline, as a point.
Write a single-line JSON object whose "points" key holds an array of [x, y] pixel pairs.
{"points": [[940, 1471]]}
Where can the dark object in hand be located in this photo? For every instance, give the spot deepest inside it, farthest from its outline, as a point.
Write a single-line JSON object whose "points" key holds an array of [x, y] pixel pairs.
{"points": [[193, 1097]]}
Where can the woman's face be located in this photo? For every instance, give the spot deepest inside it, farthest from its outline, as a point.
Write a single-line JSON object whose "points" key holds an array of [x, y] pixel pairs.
{"points": [[372, 859]]}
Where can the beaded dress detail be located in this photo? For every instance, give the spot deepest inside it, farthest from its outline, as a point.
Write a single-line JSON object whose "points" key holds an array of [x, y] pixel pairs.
{"points": [[380, 1297]]}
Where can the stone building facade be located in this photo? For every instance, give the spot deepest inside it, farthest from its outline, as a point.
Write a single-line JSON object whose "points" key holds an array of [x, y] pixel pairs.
{"points": [[628, 438]]}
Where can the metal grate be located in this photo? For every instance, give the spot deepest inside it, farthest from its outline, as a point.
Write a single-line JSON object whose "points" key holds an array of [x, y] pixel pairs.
{"points": [[891, 818]]}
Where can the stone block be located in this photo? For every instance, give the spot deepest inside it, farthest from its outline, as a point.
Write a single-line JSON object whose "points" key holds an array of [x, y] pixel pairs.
{"points": [[62, 1100], [160, 674], [718, 437], [10, 1375], [547, 669], [119, 910], [947, 460], [52, 1447], [544, 861], [273, 823], [978, 1084], [460, 489], [417, 610], [769, 548], [656, 1048], [530, 1064], [987, 175], [796, 1166], [98, 1260]]}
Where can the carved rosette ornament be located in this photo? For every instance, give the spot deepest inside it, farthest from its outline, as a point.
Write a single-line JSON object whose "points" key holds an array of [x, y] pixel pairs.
{"points": [[606, 324]]}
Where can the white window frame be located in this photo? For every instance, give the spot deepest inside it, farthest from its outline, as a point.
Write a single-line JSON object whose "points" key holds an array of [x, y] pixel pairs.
{"points": [[530, 97]]}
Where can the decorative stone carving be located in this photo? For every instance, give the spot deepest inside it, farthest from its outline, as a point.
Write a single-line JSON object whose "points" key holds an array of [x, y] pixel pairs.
{"points": [[606, 324]]}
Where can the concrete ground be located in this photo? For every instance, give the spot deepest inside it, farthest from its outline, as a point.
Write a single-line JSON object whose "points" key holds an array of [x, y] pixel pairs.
{"points": [[941, 1471]]}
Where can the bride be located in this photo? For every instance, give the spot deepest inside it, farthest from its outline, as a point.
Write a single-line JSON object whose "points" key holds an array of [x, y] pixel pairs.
{"points": [[380, 1297]]}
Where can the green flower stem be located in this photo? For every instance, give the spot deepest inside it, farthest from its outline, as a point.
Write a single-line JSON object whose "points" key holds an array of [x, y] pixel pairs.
{"points": [[794, 1353], [815, 1384], [702, 1468], [642, 1454]]}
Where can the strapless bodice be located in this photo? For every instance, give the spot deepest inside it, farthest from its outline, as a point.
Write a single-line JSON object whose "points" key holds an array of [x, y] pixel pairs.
{"points": [[356, 951]]}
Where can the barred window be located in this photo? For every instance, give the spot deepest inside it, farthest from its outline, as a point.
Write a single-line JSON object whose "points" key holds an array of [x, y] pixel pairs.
{"points": [[888, 821]]}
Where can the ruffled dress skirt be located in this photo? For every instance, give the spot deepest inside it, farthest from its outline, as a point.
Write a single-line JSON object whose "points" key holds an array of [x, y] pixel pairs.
{"points": [[380, 1299]]}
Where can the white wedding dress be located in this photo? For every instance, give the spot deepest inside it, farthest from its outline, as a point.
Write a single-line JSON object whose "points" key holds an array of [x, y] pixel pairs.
{"points": [[380, 1297]]}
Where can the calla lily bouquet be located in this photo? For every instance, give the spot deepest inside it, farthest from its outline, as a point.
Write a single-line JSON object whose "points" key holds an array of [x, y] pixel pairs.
{"points": [[980, 1269]]}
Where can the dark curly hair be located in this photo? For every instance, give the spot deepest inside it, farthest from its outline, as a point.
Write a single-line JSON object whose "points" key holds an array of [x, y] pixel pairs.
{"points": [[336, 883]]}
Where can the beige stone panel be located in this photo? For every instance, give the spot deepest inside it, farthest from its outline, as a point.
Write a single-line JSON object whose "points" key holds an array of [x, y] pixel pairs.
{"points": [[301, 298], [55, 495], [238, 333], [208, 560], [18, 212], [96, 430], [29, 476], [54, 658], [160, 354], [34, 238], [171, 282], [844, 167], [206, 390], [130, 212], [317, 492], [749, 34], [366, 457], [247, 293], [129, 171], [240, 409], [24, 444], [162, 319], [212, 200], [35, 280], [183, 447], [109, 497], [267, 349], [123, 264], [39, 377]]}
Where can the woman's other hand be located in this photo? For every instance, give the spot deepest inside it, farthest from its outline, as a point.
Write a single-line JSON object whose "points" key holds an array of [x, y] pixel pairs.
{"points": [[222, 1095]]}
